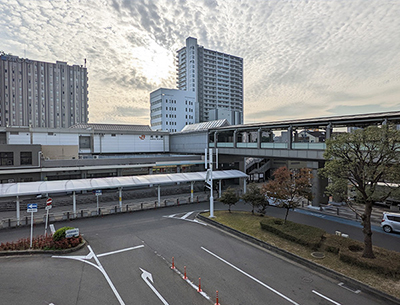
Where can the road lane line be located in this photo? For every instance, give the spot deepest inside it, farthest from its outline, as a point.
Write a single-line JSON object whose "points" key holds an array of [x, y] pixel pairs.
{"points": [[251, 277], [326, 298], [119, 251], [107, 277], [186, 215]]}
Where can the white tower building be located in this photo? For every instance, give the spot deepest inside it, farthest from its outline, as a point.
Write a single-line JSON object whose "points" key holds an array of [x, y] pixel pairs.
{"points": [[171, 109]]}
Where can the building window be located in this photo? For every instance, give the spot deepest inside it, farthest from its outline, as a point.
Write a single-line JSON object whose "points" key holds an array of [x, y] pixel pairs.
{"points": [[6, 158], [26, 158]]}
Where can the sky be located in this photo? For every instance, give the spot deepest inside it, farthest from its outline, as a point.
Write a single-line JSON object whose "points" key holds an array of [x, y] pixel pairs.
{"points": [[302, 58]]}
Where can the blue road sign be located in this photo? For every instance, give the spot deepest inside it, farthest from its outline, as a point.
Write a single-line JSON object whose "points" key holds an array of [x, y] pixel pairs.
{"points": [[32, 207]]}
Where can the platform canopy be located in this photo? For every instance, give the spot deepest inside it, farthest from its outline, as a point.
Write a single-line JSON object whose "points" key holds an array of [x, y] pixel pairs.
{"points": [[59, 186]]}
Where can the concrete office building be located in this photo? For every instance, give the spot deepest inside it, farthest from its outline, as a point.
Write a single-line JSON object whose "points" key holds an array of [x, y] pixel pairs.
{"points": [[40, 94], [171, 109], [217, 80]]}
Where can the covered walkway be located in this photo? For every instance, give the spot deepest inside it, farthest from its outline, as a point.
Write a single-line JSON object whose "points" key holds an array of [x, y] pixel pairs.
{"points": [[97, 184]]}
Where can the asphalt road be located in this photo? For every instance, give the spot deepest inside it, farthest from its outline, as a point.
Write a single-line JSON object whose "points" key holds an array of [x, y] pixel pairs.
{"points": [[102, 274]]}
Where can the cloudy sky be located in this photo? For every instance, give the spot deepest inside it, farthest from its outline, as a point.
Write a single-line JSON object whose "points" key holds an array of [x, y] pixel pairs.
{"points": [[302, 58]]}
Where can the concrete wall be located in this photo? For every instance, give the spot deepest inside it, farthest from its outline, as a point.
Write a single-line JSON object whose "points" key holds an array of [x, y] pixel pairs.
{"points": [[60, 152]]}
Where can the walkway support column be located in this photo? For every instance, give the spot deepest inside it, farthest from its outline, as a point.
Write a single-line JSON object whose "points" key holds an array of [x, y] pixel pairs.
{"points": [[220, 188], [74, 203], [259, 133], [120, 197], [328, 131], [215, 139], [235, 138], [290, 137], [159, 195], [191, 191], [18, 212]]}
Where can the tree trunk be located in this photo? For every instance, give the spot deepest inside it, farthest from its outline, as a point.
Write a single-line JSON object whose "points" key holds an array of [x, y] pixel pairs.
{"points": [[366, 222], [286, 215]]}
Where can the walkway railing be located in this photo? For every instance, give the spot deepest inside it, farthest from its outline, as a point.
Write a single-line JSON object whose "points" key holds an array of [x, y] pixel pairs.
{"points": [[40, 217]]}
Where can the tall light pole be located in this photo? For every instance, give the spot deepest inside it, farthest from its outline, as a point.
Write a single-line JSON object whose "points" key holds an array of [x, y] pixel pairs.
{"points": [[209, 179]]}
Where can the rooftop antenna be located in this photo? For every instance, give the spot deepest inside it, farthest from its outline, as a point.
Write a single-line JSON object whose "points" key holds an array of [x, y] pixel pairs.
{"points": [[85, 62]]}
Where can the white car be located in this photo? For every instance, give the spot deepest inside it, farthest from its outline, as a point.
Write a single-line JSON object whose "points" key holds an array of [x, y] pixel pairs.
{"points": [[390, 222]]}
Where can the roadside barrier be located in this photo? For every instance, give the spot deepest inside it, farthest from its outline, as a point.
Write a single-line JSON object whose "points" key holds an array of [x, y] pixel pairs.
{"points": [[85, 213]]}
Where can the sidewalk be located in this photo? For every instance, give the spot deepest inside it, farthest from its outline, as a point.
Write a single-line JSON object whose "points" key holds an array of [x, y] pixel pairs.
{"points": [[343, 211]]}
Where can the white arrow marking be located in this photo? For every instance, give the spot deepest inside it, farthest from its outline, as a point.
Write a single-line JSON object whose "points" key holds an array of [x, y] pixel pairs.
{"points": [[146, 276]]}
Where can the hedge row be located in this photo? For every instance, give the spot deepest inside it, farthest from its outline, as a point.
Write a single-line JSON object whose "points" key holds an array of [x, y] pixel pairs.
{"points": [[387, 262], [55, 242], [350, 251], [302, 234]]}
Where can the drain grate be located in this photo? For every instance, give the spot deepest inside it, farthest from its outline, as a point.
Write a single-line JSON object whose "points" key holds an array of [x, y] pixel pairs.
{"points": [[347, 287]]}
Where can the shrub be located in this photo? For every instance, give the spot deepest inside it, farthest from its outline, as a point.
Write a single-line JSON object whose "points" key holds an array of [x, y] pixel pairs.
{"points": [[60, 233], [334, 243], [386, 262], [302, 234], [41, 243]]}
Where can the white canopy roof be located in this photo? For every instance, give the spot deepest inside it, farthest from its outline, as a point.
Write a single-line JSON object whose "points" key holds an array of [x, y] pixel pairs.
{"points": [[48, 187]]}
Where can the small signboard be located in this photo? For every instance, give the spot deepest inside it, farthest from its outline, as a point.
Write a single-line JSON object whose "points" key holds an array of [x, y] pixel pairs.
{"points": [[72, 233], [32, 207], [97, 192], [48, 207], [52, 229]]}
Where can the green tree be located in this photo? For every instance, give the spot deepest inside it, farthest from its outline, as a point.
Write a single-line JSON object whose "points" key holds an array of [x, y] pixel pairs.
{"points": [[229, 197], [255, 197], [363, 158], [288, 187]]}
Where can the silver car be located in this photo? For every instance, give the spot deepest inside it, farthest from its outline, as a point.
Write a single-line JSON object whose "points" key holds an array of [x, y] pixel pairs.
{"points": [[390, 222]]}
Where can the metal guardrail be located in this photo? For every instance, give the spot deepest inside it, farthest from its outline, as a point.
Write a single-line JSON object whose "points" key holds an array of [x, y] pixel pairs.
{"points": [[102, 211]]}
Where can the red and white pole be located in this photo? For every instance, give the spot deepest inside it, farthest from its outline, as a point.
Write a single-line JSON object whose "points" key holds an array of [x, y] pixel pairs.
{"points": [[173, 264], [217, 303]]}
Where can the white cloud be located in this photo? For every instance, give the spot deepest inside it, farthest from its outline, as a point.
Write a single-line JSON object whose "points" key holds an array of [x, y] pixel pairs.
{"points": [[301, 58]]}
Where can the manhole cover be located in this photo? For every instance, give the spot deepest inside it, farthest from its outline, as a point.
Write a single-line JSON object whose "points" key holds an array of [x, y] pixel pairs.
{"points": [[318, 254]]}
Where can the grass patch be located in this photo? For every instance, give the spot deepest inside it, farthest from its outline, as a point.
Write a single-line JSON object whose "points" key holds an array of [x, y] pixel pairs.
{"points": [[333, 246]]}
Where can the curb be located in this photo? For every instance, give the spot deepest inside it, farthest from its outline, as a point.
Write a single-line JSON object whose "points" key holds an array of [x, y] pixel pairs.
{"points": [[35, 251], [309, 264]]}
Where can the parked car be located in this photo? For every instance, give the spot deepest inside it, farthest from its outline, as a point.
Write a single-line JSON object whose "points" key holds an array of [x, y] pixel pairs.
{"points": [[390, 222]]}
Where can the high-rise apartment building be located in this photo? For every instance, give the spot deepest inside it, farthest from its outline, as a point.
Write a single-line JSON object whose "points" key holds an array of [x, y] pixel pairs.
{"points": [[41, 94], [217, 80]]}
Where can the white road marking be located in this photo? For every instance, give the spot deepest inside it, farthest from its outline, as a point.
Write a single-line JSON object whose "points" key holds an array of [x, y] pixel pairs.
{"points": [[119, 251], [98, 265], [326, 298], [251, 277], [107, 277], [186, 215], [147, 277]]}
